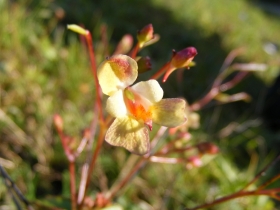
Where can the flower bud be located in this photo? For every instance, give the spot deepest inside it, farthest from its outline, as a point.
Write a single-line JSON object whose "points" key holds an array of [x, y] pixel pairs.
{"points": [[124, 45], [183, 58], [145, 35], [144, 64], [77, 29], [58, 122], [194, 162], [207, 148]]}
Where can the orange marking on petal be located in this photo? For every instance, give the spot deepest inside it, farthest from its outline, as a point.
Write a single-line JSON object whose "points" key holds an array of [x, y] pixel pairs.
{"points": [[136, 109]]}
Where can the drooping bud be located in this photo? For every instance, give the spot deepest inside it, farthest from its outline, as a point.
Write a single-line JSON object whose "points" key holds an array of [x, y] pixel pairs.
{"points": [[144, 64], [124, 45], [145, 35], [58, 122], [77, 29], [181, 59], [207, 148]]}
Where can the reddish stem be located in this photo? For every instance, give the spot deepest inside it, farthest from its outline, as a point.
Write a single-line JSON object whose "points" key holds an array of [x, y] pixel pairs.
{"points": [[94, 72], [230, 84], [205, 100], [126, 179], [216, 89], [262, 173], [230, 197], [114, 190], [72, 185], [161, 71], [134, 51], [71, 158], [94, 158]]}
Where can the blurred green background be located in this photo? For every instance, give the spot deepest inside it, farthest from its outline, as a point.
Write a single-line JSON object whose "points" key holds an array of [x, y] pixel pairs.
{"points": [[44, 70]]}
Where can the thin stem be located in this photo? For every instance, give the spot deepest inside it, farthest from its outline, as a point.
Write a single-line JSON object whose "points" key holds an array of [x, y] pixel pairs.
{"points": [[230, 197], [95, 154], [205, 100], [11, 185], [135, 50], [230, 84], [82, 187], [126, 179], [67, 151], [215, 91], [243, 193], [72, 185], [262, 172], [229, 59], [161, 71], [94, 72], [269, 182], [158, 136]]}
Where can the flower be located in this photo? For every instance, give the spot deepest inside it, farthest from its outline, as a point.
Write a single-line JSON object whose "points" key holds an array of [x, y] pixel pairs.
{"points": [[135, 107]]}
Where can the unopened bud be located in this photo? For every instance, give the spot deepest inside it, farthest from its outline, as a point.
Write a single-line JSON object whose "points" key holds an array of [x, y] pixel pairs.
{"points": [[124, 45], [77, 29], [193, 162], [58, 122], [145, 35], [144, 64], [183, 58], [207, 148]]}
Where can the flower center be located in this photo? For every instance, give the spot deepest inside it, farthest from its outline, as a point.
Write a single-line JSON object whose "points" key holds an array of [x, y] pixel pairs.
{"points": [[138, 106]]}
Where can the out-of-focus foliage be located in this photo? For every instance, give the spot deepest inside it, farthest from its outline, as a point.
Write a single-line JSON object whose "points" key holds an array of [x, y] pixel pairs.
{"points": [[44, 71]]}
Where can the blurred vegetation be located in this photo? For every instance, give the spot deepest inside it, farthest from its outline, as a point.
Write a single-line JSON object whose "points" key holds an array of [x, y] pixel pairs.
{"points": [[45, 70]]}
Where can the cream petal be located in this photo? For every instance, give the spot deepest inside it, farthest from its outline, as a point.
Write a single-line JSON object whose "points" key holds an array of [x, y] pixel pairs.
{"points": [[117, 72], [115, 105], [169, 112], [128, 133], [150, 90]]}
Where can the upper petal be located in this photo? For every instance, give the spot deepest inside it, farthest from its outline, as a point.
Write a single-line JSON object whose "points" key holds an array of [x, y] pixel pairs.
{"points": [[129, 133], [169, 112], [115, 105], [150, 90], [117, 72]]}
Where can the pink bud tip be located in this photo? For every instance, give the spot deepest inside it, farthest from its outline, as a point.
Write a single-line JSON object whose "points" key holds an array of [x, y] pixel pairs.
{"points": [[58, 122], [181, 59]]}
